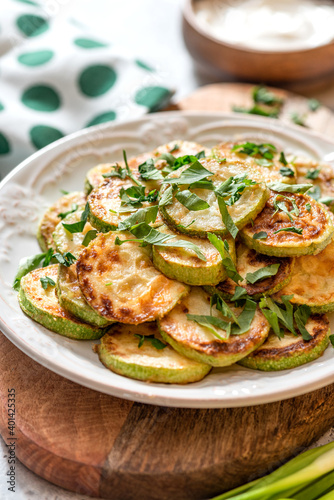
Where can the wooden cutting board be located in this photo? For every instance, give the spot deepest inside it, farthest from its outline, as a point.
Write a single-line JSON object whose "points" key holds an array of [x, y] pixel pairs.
{"points": [[106, 447]]}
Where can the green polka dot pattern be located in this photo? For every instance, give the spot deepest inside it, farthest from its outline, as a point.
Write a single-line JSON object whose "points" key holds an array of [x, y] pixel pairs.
{"points": [[4, 145], [41, 98], [153, 98], [31, 25], [57, 78], [102, 118], [87, 43], [97, 80], [143, 65], [36, 58], [42, 135], [29, 2]]}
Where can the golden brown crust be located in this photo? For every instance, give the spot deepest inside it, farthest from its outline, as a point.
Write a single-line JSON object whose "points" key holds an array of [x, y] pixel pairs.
{"points": [[313, 220], [325, 178], [317, 325], [189, 333], [248, 261], [312, 280], [312, 223], [258, 173], [45, 299], [121, 283], [51, 219]]}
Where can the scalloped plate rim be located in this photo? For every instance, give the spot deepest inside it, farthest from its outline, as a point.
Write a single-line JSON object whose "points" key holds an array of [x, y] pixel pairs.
{"points": [[160, 394]]}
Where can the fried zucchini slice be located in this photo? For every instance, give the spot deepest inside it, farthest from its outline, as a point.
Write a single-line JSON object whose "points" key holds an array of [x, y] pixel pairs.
{"points": [[71, 298], [121, 284], [44, 308], [70, 242], [290, 351], [199, 223], [120, 352], [249, 261], [94, 177], [183, 264], [105, 204], [312, 281], [274, 171], [51, 218], [320, 174], [198, 343], [314, 220]]}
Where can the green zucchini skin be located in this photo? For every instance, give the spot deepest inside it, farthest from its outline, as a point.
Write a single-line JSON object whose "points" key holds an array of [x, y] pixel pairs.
{"points": [[198, 343], [119, 352], [248, 261], [99, 224], [50, 218], [43, 307], [250, 204], [290, 352], [316, 224], [71, 298], [183, 265]]}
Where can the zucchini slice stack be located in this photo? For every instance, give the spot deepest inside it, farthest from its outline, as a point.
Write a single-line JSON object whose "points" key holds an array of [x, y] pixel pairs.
{"points": [[43, 306], [139, 352], [291, 350], [183, 259], [250, 262], [288, 234], [67, 203]]}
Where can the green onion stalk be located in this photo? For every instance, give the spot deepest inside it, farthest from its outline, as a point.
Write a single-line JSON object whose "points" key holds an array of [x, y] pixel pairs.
{"points": [[310, 476]]}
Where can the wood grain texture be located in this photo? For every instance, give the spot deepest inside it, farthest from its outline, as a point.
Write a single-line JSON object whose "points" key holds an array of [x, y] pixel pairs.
{"points": [[185, 454], [223, 96], [64, 430], [102, 446]]}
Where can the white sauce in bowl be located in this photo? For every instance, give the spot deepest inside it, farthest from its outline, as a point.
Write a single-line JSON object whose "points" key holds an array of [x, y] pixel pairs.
{"points": [[268, 25]]}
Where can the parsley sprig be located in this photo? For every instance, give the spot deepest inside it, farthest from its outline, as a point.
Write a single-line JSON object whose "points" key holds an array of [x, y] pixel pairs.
{"points": [[135, 196], [145, 234], [283, 315], [46, 281], [151, 339], [78, 227], [74, 208], [236, 325], [265, 103], [233, 187], [122, 173], [194, 173], [227, 260], [149, 172], [251, 149], [281, 206], [44, 259]]}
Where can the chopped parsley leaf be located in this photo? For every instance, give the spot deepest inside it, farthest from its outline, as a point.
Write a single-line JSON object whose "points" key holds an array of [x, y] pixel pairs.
{"points": [[46, 281]]}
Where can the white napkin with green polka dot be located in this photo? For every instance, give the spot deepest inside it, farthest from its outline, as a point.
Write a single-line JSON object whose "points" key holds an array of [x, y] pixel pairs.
{"points": [[57, 77]]}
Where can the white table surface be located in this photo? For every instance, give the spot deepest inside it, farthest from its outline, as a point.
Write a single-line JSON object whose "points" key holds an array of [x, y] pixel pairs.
{"points": [[150, 30]]}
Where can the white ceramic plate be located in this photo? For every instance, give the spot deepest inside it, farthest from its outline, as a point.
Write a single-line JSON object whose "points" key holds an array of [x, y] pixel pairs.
{"points": [[36, 183]]}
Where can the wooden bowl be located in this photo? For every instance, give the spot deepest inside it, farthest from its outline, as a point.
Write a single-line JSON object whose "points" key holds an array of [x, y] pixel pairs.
{"points": [[254, 65]]}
